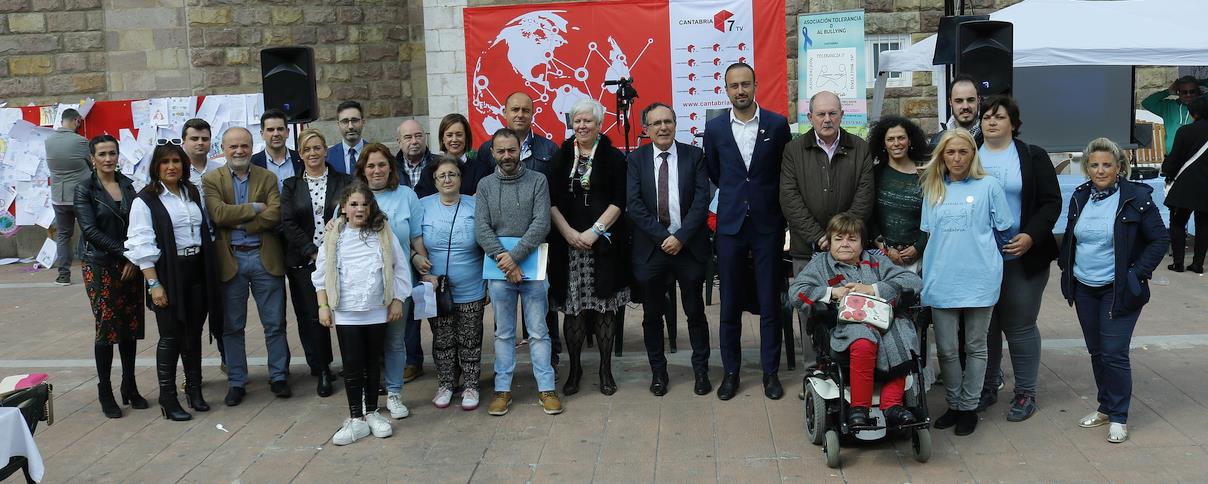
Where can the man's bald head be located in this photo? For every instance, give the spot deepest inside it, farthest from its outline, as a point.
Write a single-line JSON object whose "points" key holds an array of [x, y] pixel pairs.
{"points": [[237, 147], [826, 113], [411, 140], [518, 113]]}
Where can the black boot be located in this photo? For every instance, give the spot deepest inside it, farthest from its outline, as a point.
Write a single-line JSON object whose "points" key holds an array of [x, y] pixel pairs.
{"points": [[166, 354], [572, 330], [604, 325], [105, 397], [129, 388], [193, 396], [103, 352]]}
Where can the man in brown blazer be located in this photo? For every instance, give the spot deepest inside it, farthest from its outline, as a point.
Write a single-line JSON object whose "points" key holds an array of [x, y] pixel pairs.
{"points": [[245, 208]]}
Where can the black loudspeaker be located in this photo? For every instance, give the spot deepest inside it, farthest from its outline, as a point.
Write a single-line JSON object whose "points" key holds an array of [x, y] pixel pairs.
{"points": [[984, 51], [288, 81], [945, 39]]}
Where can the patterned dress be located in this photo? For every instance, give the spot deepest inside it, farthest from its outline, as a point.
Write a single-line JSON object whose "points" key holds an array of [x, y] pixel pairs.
{"points": [[116, 304]]}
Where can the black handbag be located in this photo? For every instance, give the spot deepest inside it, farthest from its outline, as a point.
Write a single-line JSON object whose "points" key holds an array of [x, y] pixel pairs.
{"points": [[444, 290]]}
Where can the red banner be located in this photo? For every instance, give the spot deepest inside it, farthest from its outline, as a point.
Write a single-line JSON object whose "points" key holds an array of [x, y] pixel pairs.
{"points": [[675, 51]]}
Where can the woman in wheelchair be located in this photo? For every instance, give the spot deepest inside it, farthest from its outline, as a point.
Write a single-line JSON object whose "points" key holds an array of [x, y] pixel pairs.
{"points": [[848, 269]]}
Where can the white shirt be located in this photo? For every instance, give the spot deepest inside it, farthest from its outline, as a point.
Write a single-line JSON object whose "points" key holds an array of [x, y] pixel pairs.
{"points": [[745, 135], [673, 202], [359, 261], [141, 248], [195, 176]]}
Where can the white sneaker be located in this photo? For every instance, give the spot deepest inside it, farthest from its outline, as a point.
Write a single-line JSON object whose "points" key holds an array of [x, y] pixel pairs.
{"points": [[469, 399], [443, 396], [394, 403], [1117, 432], [354, 429], [378, 425]]}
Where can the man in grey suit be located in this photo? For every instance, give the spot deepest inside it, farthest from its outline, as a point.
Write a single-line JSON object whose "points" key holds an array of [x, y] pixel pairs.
{"points": [[668, 201], [68, 159]]}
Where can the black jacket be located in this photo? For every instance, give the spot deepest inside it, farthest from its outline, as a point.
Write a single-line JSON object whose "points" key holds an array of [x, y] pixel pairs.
{"points": [[1140, 241], [611, 255], [297, 215], [1185, 193], [261, 159], [1040, 205], [642, 206], [102, 223]]}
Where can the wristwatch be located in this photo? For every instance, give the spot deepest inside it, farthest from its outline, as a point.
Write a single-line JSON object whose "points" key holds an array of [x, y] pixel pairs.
{"points": [[152, 284], [599, 227]]}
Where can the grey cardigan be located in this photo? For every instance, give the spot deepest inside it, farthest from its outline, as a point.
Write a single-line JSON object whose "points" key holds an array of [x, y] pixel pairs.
{"points": [[895, 346]]}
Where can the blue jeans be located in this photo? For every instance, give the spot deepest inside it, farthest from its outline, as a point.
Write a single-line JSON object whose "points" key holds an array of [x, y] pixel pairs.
{"points": [[504, 297], [269, 291], [413, 340], [395, 350], [1107, 341]]}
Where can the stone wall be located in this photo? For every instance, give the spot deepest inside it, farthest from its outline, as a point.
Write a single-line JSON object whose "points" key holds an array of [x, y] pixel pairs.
{"points": [[52, 49], [58, 50]]}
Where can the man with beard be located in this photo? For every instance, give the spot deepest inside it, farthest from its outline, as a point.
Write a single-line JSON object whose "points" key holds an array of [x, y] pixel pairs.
{"points": [[963, 101], [278, 159], [514, 202], [351, 120], [245, 209], [537, 154], [743, 152]]}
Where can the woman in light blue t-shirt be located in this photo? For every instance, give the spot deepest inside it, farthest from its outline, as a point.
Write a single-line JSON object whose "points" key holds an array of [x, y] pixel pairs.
{"points": [[963, 212], [449, 237]]}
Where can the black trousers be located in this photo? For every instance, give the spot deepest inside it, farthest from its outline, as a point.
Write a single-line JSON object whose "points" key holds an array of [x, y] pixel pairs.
{"points": [[1178, 235], [361, 348], [316, 340], [654, 277], [182, 339]]}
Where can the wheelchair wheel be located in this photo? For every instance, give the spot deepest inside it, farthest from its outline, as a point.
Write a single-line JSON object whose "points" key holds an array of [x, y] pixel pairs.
{"points": [[832, 449], [815, 415], [920, 444]]}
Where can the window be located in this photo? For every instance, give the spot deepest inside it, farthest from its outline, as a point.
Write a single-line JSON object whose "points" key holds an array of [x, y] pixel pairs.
{"points": [[874, 45]]}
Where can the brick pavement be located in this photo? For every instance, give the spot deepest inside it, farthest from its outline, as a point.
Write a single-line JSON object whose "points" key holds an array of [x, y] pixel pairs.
{"points": [[629, 437]]}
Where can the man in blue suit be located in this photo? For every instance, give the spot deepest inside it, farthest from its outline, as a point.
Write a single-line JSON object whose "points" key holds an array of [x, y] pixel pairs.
{"points": [[743, 151], [278, 159], [668, 198], [351, 120]]}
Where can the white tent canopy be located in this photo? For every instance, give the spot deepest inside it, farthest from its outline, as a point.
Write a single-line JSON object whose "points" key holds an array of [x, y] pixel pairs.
{"points": [[1088, 32]]}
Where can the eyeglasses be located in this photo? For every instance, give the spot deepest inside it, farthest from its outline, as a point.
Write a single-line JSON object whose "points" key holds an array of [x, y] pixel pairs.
{"points": [[168, 141], [349, 121], [1187, 92], [448, 176]]}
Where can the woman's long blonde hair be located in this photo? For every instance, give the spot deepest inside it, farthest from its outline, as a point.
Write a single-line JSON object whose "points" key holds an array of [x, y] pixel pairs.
{"points": [[935, 171]]}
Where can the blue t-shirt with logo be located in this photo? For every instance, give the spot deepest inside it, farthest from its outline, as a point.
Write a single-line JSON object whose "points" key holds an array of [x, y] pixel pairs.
{"points": [[1095, 251], [962, 266], [1004, 166], [465, 258]]}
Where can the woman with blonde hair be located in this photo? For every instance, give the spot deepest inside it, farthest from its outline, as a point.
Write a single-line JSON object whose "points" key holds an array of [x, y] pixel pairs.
{"points": [[964, 214]]}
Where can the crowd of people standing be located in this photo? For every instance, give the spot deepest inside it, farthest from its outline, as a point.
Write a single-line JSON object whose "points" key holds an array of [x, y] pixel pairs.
{"points": [[353, 230]]}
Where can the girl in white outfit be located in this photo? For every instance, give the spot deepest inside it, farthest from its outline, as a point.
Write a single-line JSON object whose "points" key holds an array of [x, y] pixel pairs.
{"points": [[361, 280]]}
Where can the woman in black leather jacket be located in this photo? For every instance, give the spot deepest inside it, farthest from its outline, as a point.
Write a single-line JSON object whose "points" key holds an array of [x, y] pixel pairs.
{"points": [[113, 283]]}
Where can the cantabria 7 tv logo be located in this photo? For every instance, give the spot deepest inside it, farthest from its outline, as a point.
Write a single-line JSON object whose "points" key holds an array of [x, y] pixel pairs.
{"points": [[723, 21]]}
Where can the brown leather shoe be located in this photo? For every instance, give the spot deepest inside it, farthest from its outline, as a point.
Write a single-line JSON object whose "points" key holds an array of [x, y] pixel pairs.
{"points": [[550, 403], [411, 372]]}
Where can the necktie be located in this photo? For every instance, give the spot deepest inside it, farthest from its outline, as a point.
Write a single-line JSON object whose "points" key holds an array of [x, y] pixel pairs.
{"points": [[664, 202], [352, 160]]}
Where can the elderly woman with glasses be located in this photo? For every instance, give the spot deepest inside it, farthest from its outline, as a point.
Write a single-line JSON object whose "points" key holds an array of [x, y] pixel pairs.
{"points": [[589, 255]]}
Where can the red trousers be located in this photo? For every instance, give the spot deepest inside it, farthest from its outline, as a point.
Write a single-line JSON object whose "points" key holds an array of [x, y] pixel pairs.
{"points": [[863, 356]]}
